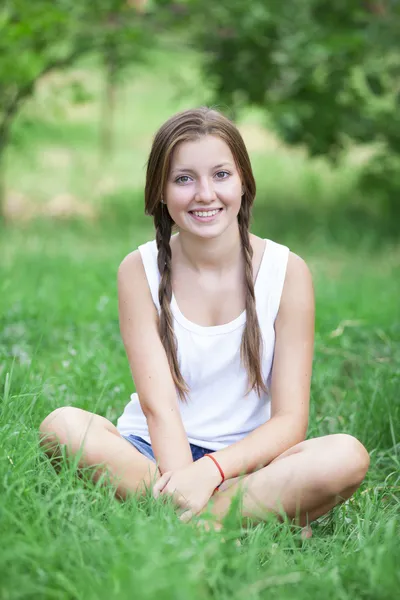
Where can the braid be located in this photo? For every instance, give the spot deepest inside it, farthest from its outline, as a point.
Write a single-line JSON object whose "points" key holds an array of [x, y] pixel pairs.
{"points": [[187, 126], [251, 347], [163, 224]]}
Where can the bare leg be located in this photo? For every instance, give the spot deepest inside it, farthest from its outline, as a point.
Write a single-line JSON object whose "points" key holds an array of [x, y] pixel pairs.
{"points": [[100, 445], [304, 482]]}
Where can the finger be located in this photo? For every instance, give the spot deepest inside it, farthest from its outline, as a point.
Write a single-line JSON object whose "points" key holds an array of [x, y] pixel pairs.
{"points": [[186, 516], [178, 499], [203, 524], [161, 483], [209, 525]]}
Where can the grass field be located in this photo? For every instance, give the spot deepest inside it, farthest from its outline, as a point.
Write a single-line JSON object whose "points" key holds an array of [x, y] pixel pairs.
{"points": [[63, 537]]}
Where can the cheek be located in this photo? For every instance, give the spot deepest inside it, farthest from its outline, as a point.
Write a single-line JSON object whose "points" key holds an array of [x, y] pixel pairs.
{"points": [[232, 192], [178, 198]]}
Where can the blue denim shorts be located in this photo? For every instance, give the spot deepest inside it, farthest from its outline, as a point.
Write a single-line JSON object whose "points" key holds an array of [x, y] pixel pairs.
{"points": [[146, 449]]}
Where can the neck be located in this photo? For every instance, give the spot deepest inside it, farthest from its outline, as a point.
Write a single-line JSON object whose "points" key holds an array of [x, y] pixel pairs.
{"points": [[213, 254]]}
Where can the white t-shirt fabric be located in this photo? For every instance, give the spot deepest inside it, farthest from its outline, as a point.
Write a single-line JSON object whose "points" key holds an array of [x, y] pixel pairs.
{"points": [[217, 413]]}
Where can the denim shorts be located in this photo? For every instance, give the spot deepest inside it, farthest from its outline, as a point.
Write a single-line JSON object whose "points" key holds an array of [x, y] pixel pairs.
{"points": [[146, 449]]}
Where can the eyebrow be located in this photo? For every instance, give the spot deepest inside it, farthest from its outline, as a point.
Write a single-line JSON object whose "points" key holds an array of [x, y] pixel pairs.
{"points": [[179, 169]]}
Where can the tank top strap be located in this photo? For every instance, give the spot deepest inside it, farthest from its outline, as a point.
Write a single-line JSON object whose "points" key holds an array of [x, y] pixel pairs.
{"points": [[269, 282], [271, 278], [148, 253]]}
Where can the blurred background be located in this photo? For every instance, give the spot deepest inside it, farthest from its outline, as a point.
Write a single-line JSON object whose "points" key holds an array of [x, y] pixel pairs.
{"points": [[314, 87]]}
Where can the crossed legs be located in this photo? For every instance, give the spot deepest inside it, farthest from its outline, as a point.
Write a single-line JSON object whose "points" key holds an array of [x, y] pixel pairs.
{"points": [[304, 482]]}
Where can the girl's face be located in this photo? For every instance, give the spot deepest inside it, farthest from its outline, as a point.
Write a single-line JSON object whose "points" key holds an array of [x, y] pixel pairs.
{"points": [[204, 189]]}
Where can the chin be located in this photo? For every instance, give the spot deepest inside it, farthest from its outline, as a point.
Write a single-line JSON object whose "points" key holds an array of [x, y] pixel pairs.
{"points": [[206, 233]]}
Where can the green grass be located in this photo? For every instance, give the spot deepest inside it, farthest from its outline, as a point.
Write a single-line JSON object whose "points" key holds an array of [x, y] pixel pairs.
{"points": [[64, 537], [60, 345]]}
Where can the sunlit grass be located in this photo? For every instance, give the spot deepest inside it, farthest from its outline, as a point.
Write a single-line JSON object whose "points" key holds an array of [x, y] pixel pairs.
{"points": [[64, 537]]}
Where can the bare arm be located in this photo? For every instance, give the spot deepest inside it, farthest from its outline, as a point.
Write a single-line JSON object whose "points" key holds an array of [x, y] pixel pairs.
{"points": [[149, 366], [291, 378]]}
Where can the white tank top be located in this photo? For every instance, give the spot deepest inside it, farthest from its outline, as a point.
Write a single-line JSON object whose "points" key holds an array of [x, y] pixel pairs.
{"points": [[217, 413]]}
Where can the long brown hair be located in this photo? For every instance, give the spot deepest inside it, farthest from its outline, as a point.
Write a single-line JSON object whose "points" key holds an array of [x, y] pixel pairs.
{"points": [[187, 126]]}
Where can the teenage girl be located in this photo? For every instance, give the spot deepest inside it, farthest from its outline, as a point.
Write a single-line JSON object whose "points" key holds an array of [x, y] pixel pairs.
{"points": [[218, 326]]}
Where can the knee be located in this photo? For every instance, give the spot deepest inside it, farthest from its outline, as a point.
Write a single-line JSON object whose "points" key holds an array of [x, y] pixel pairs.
{"points": [[70, 425], [53, 419], [352, 460], [52, 426]]}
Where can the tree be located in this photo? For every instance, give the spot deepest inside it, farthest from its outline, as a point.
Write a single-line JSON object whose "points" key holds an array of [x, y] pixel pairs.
{"points": [[326, 72], [39, 37]]}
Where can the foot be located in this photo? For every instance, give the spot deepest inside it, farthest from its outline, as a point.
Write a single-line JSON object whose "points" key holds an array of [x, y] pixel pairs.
{"points": [[306, 533], [208, 525]]}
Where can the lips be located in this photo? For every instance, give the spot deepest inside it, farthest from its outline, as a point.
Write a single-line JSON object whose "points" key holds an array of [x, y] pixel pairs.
{"points": [[205, 209], [214, 214]]}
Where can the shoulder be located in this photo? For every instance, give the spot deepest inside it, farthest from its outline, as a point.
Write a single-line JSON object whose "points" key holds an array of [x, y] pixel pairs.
{"points": [[298, 288], [140, 261], [297, 271], [131, 274], [135, 301], [132, 263]]}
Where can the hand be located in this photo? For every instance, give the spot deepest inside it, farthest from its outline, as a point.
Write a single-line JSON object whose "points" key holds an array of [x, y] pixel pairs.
{"points": [[190, 487]]}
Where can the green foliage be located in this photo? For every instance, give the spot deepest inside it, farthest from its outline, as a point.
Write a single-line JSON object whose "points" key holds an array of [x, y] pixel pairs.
{"points": [[324, 70], [327, 73], [38, 37]]}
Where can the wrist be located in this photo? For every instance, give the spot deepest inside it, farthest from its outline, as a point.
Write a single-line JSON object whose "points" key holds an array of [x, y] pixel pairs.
{"points": [[214, 468]]}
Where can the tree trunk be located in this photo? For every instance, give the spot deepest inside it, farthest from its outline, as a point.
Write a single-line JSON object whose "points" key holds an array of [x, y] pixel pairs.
{"points": [[11, 111], [107, 119]]}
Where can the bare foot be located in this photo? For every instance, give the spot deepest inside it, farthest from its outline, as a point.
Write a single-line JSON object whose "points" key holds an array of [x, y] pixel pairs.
{"points": [[209, 525], [306, 533]]}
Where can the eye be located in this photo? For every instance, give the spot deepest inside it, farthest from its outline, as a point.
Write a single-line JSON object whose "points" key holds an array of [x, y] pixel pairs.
{"points": [[224, 174], [182, 179]]}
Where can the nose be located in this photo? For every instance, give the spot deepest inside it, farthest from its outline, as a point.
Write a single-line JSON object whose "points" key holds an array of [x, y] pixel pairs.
{"points": [[205, 191]]}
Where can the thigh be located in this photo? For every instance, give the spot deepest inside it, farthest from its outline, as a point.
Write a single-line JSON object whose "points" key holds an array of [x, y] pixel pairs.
{"points": [[336, 447], [70, 426], [316, 473], [300, 447], [342, 451], [98, 443]]}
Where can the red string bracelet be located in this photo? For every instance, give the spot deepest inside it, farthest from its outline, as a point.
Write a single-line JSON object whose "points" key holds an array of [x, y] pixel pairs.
{"points": [[219, 468]]}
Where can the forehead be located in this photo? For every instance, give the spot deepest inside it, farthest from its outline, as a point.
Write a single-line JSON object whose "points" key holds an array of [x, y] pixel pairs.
{"points": [[207, 150]]}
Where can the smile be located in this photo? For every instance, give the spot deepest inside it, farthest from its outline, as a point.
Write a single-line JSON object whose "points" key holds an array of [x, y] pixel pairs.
{"points": [[205, 215]]}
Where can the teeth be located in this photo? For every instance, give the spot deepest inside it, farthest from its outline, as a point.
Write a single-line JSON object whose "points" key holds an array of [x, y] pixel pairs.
{"points": [[203, 213]]}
